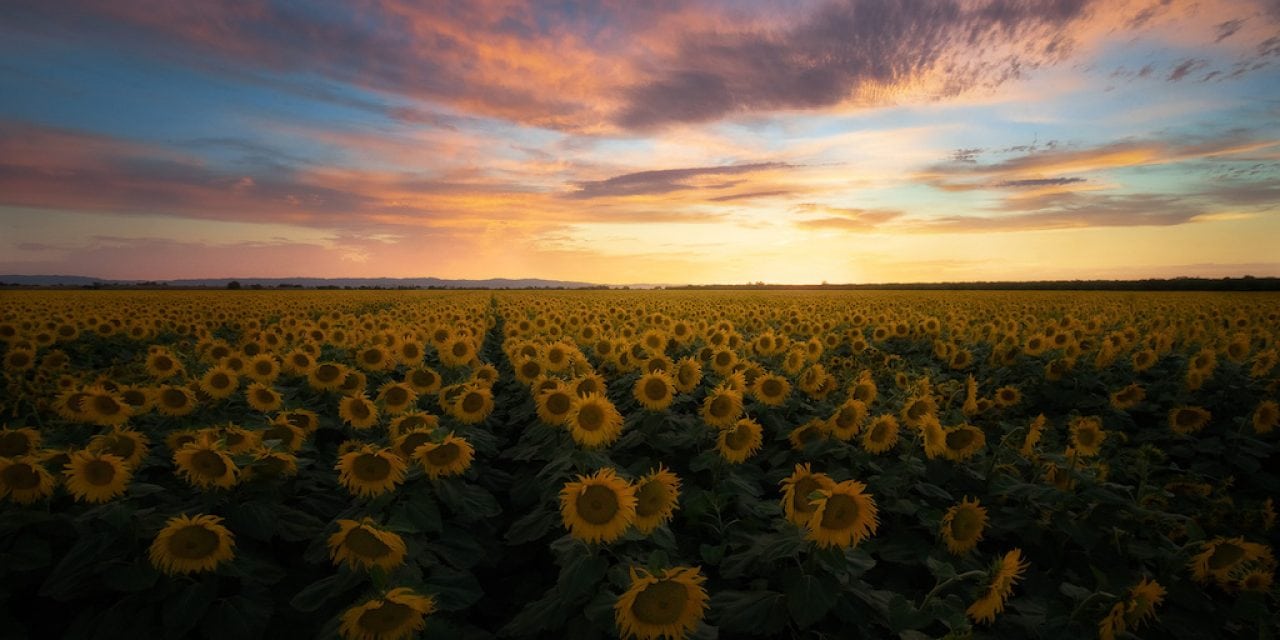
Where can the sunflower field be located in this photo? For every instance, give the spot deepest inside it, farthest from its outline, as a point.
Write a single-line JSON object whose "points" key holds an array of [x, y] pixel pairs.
{"points": [[638, 464]]}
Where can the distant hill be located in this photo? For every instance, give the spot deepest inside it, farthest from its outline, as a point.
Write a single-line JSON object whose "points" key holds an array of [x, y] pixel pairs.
{"points": [[311, 283]]}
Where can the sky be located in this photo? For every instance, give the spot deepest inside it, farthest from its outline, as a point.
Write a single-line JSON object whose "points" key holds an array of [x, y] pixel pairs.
{"points": [[719, 141]]}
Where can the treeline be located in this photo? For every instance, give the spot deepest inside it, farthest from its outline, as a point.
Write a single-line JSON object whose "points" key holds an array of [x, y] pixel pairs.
{"points": [[1246, 283]]}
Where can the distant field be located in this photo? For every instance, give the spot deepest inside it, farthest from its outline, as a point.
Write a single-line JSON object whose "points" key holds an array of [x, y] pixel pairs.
{"points": [[596, 464]]}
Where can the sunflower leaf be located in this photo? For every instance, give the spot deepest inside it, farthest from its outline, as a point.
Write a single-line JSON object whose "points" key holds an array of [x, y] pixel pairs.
{"points": [[809, 596]]}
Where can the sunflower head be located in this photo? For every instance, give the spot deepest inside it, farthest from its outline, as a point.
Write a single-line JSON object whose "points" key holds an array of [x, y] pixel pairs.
{"points": [[18, 442], [654, 390], [206, 464], [962, 526], [799, 490], [881, 435], [397, 397], [131, 446], [358, 411], [599, 507], [963, 442], [740, 441], [472, 405], [666, 605], [843, 516], [1187, 420], [449, 457], [722, 407], [593, 421], [367, 471], [657, 495], [192, 545], [363, 545], [397, 615], [1087, 435], [24, 480], [847, 421], [1004, 573]]}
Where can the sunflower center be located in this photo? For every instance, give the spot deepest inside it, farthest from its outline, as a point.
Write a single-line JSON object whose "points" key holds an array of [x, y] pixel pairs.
{"points": [[771, 388], [917, 410], [1086, 437], [597, 505], [685, 375], [262, 368], [412, 441], [720, 407], [1186, 418], [1225, 556], [558, 403], [220, 381], [459, 349], [966, 524], [366, 544], [655, 389], [122, 446], [134, 397], [193, 542], [846, 418], [265, 396], [841, 512], [388, 618], [328, 372], [21, 477], [880, 432], [359, 410], [738, 438], [591, 417], [662, 603], [651, 498], [371, 468], [173, 398], [803, 487], [423, 378], [373, 356], [14, 444], [960, 439], [106, 405], [443, 455], [162, 363], [209, 464], [472, 402]]}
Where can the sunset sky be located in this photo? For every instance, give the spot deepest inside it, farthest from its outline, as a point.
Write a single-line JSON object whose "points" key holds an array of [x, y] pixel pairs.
{"points": [[641, 141]]}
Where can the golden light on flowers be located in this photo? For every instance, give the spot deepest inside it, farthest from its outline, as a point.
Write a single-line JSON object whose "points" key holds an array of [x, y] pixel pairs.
{"points": [[1087, 435], [363, 545], [130, 446], [666, 605], [327, 376], [280, 435], [771, 390], [358, 411], [105, 408], [657, 495], [396, 615], [599, 507], [175, 401], [95, 478], [553, 406], [593, 421], [881, 435], [811, 431], [844, 515], [219, 382], [799, 490], [206, 465], [962, 526], [688, 373], [654, 391], [472, 405], [1004, 574], [24, 480], [1034, 432], [1188, 420], [740, 441], [1265, 417], [1221, 557], [397, 397], [270, 464], [917, 410], [18, 442], [368, 471], [721, 407], [162, 364], [1134, 610], [261, 397], [192, 545], [424, 380], [449, 457], [1128, 397]]}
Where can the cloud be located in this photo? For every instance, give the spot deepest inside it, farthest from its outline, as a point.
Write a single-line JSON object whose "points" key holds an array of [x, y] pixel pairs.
{"points": [[1071, 211], [843, 218], [1228, 29], [1186, 68], [660, 181], [1039, 182]]}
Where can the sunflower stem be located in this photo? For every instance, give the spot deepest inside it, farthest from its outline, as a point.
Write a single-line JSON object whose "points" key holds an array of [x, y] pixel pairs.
{"points": [[948, 582], [1086, 602]]}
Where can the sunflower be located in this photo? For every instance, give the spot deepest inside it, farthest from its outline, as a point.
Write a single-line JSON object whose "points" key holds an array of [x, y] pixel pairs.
{"points": [[70, 405], [771, 390], [688, 373], [882, 435], [219, 382], [1034, 432], [409, 440], [722, 407], [457, 352], [24, 480], [593, 421], [362, 545], [962, 526], [130, 446], [162, 365], [915, 411], [473, 405], [657, 495], [1143, 360], [93, 476], [263, 368], [192, 545], [1087, 435], [847, 421], [599, 507], [553, 406], [1220, 557], [799, 489], [288, 436], [1266, 417], [449, 457], [587, 384], [528, 369], [354, 384], [424, 380], [261, 397], [1128, 397], [267, 463], [1134, 610], [740, 441], [970, 406], [864, 390], [368, 471], [412, 421], [843, 516], [1007, 397], [396, 397], [304, 419], [812, 431], [358, 411], [657, 607], [105, 408], [397, 615], [485, 376], [140, 399], [175, 401], [963, 442], [374, 358], [1004, 574], [327, 376], [654, 391], [204, 464], [19, 359], [934, 437], [18, 442], [1187, 420]]}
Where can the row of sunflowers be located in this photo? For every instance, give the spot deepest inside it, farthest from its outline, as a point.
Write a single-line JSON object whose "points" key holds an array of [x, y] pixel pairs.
{"points": [[660, 464]]}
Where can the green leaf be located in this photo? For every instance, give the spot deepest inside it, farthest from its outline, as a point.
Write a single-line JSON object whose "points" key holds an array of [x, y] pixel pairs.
{"points": [[316, 594], [28, 552], [532, 526], [252, 519], [750, 612], [581, 575], [138, 575], [454, 590], [69, 574], [294, 525], [183, 610], [468, 502], [940, 570], [809, 597]]}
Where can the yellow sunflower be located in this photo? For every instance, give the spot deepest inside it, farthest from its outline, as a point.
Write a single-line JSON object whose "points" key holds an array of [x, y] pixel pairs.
{"points": [[847, 420], [553, 406], [473, 405], [721, 407], [1266, 417], [843, 516], [327, 376], [882, 435], [304, 419], [368, 471], [1220, 557], [362, 545], [1034, 432], [599, 507], [140, 399], [1128, 397], [935, 437], [449, 457], [424, 380], [105, 408], [358, 411], [289, 437], [1186, 420], [397, 397], [812, 431], [799, 490], [688, 373], [18, 442], [1133, 610], [269, 464], [130, 446], [374, 358], [205, 464], [740, 441], [219, 382], [175, 401], [412, 421], [963, 442], [593, 421], [654, 391], [663, 606], [962, 526], [771, 390], [864, 390], [457, 352], [162, 365], [1087, 435], [192, 545], [24, 480], [1004, 574], [917, 410], [406, 444], [587, 384], [657, 496], [262, 368], [261, 397], [397, 615]]}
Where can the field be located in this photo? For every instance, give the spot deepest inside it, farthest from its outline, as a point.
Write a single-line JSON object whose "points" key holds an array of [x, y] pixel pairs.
{"points": [[599, 464]]}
